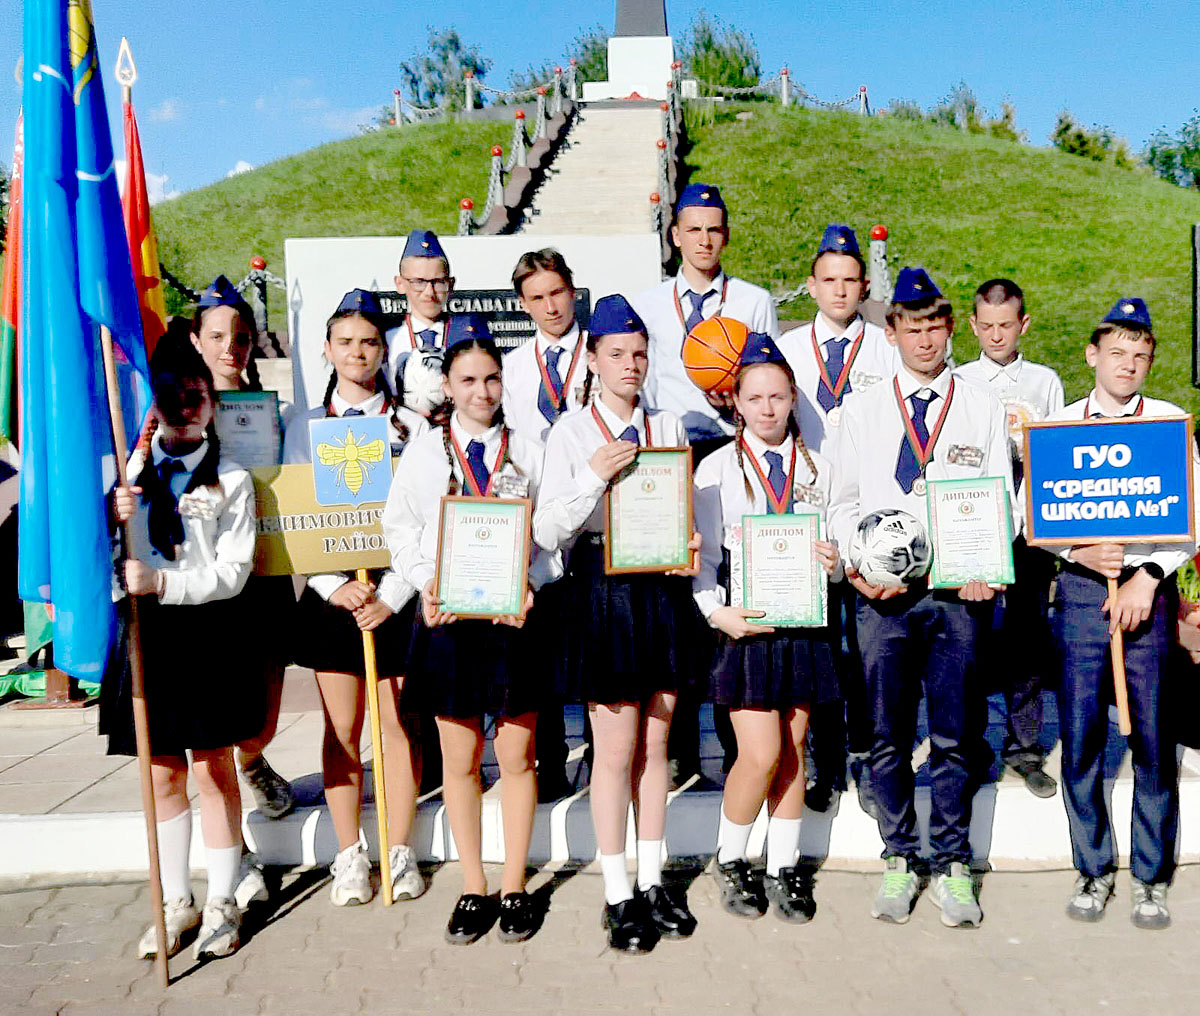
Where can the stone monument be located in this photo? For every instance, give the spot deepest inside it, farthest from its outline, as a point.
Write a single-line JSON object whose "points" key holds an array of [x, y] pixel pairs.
{"points": [[640, 54]]}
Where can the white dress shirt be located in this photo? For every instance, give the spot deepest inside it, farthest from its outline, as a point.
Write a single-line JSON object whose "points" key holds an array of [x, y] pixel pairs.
{"points": [[422, 478], [569, 501], [392, 589], [523, 380], [667, 384], [1029, 392], [217, 553], [720, 501], [872, 430], [877, 360], [399, 344], [1168, 556]]}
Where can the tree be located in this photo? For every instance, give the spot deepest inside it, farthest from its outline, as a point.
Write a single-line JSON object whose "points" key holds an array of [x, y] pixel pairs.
{"points": [[435, 78], [590, 51], [719, 57], [1176, 157], [1099, 144]]}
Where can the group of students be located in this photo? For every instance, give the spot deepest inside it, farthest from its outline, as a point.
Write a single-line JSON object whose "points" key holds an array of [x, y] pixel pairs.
{"points": [[839, 416]]}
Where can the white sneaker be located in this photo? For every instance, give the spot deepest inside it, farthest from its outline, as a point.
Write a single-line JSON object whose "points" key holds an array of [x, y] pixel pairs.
{"points": [[220, 933], [407, 882], [953, 894], [181, 917], [251, 883], [351, 871]]}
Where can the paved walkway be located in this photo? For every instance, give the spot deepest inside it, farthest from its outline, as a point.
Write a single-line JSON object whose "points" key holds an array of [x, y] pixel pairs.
{"points": [[70, 951]]}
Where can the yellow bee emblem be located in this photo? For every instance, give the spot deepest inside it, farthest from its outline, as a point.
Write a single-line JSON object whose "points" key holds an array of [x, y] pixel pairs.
{"points": [[350, 460]]}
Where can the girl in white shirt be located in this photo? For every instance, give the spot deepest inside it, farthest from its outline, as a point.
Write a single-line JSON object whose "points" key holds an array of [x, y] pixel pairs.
{"points": [[462, 669], [768, 677], [191, 546], [630, 641], [335, 609]]}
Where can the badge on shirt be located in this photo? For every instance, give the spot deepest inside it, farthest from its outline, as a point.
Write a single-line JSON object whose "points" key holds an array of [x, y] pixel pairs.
{"points": [[1020, 413], [964, 455], [804, 493], [578, 396], [199, 504], [511, 485], [864, 379]]}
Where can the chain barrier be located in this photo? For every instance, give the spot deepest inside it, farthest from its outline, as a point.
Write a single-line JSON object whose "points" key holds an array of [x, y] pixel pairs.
{"points": [[787, 296], [789, 91], [177, 284]]}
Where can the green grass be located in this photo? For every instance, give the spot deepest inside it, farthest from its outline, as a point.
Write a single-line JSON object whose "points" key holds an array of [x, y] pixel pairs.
{"points": [[379, 184], [1075, 234]]}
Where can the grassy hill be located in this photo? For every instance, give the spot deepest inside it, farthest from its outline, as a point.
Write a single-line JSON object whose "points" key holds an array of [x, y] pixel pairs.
{"points": [[1075, 234], [379, 184]]}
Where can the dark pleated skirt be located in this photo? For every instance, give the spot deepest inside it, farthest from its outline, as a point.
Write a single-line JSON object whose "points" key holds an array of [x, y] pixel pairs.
{"points": [[789, 667], [273, 600], [205, 678], [472, 667], [326, 638], [623, 638]]}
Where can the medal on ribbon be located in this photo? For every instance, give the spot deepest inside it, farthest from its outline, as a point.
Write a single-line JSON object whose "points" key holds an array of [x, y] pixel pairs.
{"points": [[775, 505], [469, 473], [835, 388], [923, 453]]}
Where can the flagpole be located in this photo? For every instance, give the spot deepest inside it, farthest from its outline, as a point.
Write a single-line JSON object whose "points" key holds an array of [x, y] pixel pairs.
{"points": [[377, 767], [126, 75]]}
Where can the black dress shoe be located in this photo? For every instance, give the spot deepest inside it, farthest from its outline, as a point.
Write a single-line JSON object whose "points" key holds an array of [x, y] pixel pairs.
{"points": [[669, 911], [1040, 783], [792, 894], [741, 890], [472, 917], [519, 917], [629, 926]]}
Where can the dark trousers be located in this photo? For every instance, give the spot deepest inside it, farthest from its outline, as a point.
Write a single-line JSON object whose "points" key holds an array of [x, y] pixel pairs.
{"points": [[843, 723], [1084, 694], [917, 643], [1018, 651]]}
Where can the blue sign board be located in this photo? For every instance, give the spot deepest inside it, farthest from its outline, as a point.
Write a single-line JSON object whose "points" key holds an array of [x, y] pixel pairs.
{"points": [[1126, 480], [351, 458]]}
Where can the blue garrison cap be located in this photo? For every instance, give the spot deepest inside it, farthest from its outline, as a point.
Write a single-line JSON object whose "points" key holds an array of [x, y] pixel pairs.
{"points": [[423, 243], [465, 327], [1130, 310], [699, 195], [221, 293], [613, 315], [359, 301], [914, 285], [839, 239], [760, 348]]}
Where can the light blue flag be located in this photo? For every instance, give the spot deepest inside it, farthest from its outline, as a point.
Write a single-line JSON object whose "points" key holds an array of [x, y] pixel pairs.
{"points": [[65, 553]]}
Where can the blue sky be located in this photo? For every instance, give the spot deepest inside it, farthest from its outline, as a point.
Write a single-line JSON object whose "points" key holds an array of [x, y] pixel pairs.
{"points": [[226, 82]]}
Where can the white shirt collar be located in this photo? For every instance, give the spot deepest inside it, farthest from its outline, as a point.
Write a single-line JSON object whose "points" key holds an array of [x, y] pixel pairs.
{"points": [[490, 437], [567, 341], [759, 447], [683, 286], [420, 324], [370, 407], [1010, 370], [1128, 408], [825, 331], [615, 424], [190, 461], [910, 384]]}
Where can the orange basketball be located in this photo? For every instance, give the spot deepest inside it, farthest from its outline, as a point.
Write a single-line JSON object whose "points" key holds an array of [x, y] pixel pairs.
{"points": [[711, 351]]}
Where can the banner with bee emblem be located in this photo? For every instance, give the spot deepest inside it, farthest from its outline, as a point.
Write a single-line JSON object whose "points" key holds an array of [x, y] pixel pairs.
{"points": [[326, 516]]}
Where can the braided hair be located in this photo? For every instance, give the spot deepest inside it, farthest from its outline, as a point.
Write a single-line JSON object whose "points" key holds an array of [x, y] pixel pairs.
{"points": [[440, 417], [391, 403], [793, 428]]}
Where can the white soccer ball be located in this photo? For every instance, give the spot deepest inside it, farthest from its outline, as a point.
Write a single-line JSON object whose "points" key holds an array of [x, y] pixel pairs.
{"points": [[421, 389], [889, 548]]}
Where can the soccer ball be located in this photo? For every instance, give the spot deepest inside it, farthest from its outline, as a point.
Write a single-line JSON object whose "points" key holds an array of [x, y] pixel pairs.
{"points": [[889, 548], [421, 381]]}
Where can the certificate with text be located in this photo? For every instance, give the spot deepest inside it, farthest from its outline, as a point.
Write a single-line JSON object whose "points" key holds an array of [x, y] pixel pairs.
{"points": [[970, 532], [781, 574], [248, 427], [483, 556], [648, 513]]}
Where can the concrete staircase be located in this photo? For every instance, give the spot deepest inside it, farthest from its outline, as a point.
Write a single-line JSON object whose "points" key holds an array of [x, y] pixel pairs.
{"points": [[601, 181]]}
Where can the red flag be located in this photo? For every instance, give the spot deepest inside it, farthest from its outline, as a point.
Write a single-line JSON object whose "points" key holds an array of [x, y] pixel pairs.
{"points": [[10, 295], [143, 245]]}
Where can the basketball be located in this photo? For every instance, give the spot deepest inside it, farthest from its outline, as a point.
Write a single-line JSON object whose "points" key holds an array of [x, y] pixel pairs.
{"points": [[710, 353]]}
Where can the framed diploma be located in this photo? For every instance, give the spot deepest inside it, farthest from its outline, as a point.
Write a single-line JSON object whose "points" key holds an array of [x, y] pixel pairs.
{"points": [[648, 513], [970, 532], [483, 555], [248, 427], [780, 571]]}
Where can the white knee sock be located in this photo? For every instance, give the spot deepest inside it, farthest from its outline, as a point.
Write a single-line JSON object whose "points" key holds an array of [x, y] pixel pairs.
{"points": [[174, 845], [649, 858], [734, 840], [222, 871], [783, 843], [616, 879]]}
